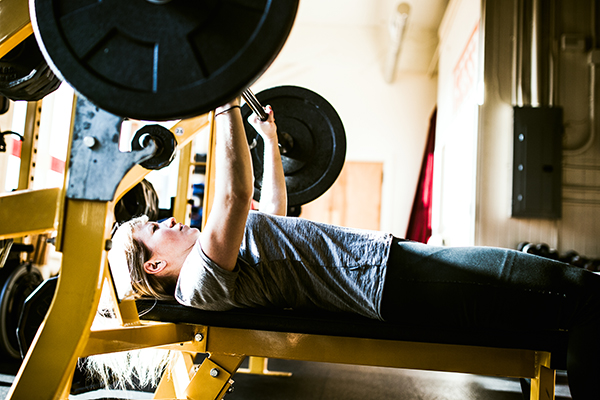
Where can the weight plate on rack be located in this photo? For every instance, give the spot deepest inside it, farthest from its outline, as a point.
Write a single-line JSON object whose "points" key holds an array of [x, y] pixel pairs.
{"points": [[16, 283], [149, 61], [24, 73], [34, 311], [313, 136], [166, 145]]}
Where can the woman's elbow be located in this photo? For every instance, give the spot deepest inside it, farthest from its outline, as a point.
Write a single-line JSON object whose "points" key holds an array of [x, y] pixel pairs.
{"points": [[240, 199]]}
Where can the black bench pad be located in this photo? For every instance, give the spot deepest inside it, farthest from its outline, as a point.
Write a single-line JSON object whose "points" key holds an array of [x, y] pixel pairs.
{"points": [[351, 325]]}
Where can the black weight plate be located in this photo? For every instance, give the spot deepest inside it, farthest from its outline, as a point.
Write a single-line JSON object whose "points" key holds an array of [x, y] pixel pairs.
{"points": [[166, 146], [142, 199], [34, 311], [316, 159], [25, 75], [4, 105], [17, 284], [149, 61]]}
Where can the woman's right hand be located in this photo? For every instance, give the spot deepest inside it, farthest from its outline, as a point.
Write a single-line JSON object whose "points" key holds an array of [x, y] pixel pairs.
{"points": [[266, 129]]}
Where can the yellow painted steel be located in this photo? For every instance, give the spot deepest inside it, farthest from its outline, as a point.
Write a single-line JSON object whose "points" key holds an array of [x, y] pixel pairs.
{"points": [[385, 353], [29, 145], [148, 334], [28, 212], [260, 366], [166, 386], [63, 200], [176, 378], [181, 208], [210, 170], [181, 374], [542, 386], [205, 386], [14, 24], [212, 380], [48, 366]]}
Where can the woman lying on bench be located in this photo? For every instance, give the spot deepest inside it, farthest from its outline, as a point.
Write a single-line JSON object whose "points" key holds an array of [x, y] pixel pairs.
{"points": [[244, 258]]}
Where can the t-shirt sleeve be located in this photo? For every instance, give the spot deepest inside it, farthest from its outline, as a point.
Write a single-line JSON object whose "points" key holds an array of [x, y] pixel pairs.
{"points": [[205, 285]]}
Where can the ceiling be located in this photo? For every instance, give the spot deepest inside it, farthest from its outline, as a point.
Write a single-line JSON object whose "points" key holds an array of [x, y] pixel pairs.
{"points": [[419, 43], [424, 14]]}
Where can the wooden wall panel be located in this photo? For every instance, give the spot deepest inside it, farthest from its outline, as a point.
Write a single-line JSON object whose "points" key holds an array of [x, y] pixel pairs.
{"points": [[354, 200]]}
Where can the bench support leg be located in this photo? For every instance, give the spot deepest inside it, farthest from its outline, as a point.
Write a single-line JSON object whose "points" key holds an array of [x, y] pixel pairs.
{"points": [[542, 387], [213, 379], [260, 366], [176, 378]]}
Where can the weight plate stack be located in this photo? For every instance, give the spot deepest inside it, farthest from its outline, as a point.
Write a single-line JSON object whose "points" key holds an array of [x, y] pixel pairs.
{"points": [[313, 139], [161, 60]]}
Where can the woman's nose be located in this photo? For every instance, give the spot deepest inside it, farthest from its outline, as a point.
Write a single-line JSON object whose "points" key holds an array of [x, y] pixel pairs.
{"points": [[170, 222]]}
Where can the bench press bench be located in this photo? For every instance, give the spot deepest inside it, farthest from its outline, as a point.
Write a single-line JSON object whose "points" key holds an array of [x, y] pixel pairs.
{"points": [[352, 339]]}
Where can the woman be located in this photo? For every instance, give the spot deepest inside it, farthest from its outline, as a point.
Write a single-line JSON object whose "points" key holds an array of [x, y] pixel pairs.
{"points": [[262, 259]]}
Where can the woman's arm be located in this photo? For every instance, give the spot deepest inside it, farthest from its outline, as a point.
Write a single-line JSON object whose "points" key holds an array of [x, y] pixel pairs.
{"points": [[273, 193], [224, 229]]}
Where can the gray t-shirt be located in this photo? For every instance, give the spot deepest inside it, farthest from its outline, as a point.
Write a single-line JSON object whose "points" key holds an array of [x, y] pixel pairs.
{"points": [[292, 263]]}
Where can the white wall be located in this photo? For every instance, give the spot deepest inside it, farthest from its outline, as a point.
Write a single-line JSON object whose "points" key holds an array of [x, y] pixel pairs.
{"points": [[383, 122], [456, 136]]}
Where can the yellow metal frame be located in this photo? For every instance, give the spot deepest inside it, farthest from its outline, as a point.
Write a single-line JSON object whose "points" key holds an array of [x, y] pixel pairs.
{"points": [[14, 24]]}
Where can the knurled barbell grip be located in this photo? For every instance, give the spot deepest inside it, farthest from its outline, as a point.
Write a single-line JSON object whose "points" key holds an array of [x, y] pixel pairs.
{"points": [[254, 104]]}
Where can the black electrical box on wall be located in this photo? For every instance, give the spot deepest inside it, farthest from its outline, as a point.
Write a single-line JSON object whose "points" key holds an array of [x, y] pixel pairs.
{"points": [[537, 162]]}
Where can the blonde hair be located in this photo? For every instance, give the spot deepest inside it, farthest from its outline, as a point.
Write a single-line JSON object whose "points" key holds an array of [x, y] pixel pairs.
{"points": [[128, 253], [137, 368], [130, 369]]}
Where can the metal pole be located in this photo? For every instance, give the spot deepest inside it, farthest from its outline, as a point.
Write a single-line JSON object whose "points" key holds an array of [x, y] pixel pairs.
{"points": [[254, 104]]}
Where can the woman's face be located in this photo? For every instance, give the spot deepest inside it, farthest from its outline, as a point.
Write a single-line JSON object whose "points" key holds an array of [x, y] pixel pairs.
{"points": [[168, 239]]}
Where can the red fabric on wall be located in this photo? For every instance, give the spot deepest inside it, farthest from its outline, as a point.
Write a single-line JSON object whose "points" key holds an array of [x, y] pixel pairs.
{"points": [[419, 225]]}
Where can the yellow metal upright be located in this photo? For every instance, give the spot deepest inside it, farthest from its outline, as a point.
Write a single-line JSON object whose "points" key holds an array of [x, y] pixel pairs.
{"points": [[15, 25], [50, 363], [181, 207], [210, 169]]}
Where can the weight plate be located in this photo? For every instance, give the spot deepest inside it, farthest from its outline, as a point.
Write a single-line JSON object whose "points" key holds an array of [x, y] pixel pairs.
{"points": [[25, 75], [140, 200], [317, 152], [149, 61], [166, 145], [34, 311], [16, 285]]}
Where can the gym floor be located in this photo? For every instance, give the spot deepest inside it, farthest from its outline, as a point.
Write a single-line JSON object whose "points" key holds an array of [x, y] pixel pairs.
{"points": [[342, 382]]}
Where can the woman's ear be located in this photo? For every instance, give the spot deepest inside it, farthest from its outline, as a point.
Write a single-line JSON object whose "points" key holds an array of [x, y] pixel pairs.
{"points": [[154, 267]]}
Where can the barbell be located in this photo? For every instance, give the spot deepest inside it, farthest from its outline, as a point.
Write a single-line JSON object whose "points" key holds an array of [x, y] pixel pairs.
{"points": [[163, 60]]}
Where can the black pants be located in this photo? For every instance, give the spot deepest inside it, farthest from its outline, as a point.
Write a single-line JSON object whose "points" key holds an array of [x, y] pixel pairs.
{"points": [[492, 288]]}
